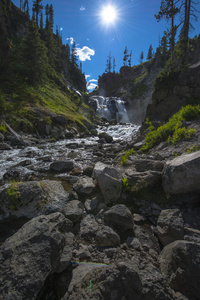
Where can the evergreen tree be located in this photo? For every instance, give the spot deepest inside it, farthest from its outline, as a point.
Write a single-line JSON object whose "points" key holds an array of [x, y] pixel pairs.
{"points": [[164, 45], [33, 16], [141, 57], [114, 65], [4, 40], [125, 59], [41, 21], [150, 53], [109, 63], [26, 8], [169, 10], [73, 55], [21, 4], [47, 16], [37, 8], [33, 55], [129, 60], [51, 16]]}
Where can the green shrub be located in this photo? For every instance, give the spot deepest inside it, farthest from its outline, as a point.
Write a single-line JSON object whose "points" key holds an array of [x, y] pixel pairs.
{"points": [[13, 195], [126, 156], [125, 183], [172, 130], [2, 128]]}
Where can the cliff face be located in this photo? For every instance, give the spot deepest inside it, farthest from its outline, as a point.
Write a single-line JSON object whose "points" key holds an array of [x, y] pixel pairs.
{"points": [[170, 94], [134, 85]]}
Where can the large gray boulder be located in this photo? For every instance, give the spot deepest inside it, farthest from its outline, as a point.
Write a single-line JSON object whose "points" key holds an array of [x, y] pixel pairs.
{"points": [[119, 281], [170, 226], [119, 215], [181, 175], [96, 233], [109, 181], [84, 186], [73, 210], [62, 166], [180, 265], [30, 255], [30, 199]]}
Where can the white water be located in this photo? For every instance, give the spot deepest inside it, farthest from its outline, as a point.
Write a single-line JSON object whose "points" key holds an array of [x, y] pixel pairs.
{"points": [[111, 108]]}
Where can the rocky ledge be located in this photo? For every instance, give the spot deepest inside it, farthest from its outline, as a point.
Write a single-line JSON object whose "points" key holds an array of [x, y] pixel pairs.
{"points": [[75, 231]]}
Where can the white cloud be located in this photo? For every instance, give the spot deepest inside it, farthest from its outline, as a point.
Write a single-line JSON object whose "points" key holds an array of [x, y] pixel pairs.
{"points": [[82, 8], [61, 29], [71, 40], [91, 86], [84, 53], [93, 80], [87, 76]]}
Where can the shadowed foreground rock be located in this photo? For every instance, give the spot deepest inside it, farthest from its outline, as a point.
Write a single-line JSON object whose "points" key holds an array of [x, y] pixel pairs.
{"points": [[30, 255]]}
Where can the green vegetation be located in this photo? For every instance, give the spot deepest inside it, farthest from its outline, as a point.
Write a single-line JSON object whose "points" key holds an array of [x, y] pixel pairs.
{"points": [[14, 195], [125, 183], [193, 148], [3, 128], [126, 156], [172, 131], [143, 75]]}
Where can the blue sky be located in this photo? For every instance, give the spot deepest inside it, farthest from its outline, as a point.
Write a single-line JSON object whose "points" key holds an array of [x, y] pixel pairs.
{"points": [[135, 27]]}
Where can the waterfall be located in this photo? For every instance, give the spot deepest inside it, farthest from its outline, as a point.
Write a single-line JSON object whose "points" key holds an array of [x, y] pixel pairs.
{"points": [[110, 108]]}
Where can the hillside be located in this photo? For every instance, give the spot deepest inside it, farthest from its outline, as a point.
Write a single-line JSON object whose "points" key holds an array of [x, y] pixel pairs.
{"points": [[38, 79]]}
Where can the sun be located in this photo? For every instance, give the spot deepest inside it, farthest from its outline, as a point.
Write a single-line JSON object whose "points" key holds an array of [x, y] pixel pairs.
{"points": [[108, 14]]}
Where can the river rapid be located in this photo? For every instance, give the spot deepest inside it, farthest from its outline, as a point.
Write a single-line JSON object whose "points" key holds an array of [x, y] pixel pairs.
{"points": [[35, 160]]}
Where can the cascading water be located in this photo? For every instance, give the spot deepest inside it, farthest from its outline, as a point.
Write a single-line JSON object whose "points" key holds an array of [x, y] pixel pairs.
{"points": [[110, 108]]}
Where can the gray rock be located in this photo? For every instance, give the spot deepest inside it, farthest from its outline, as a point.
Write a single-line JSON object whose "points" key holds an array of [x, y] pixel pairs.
{"points": [[170, 226], [146, 237], [30, 255], [143, 165], [91, 205], [66, 256], [1, 137], [180, 264], [107, 137], [181, 175], [30, 199], [62, 166], [18, 173], [109, 181], [73, 210], [119, 281], [84, 186], [4, 146], [93, 232], [59, 119], [119, 215]]}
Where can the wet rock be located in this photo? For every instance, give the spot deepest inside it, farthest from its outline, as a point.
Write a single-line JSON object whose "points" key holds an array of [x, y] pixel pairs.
{"points": [[19, 173], [66, 256], [143, 165], [88, 170], [91, 205], [106, 137], [170, 226], [57, 133], [1, 137], [120, 281], [93, 232], [84, 186], [30, 255], [73, 210], [15, 141], [109, 181], [119, 215], [4, 146], [180, 265], [62, 166], [181, 175], [30, 199]]}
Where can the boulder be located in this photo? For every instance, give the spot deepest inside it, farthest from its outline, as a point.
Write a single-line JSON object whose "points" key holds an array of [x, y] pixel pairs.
{"points": [[181, 175], [119, 281], [18, 173], [91, 205], [93, 232], [1, 137], [170, 226], [84, 185], [119, 215], [62, 166], [30, 255], [180, 265], [73, 210], [33, 198], [107, 137], [109, 181], [59, 119], [4, 146]]}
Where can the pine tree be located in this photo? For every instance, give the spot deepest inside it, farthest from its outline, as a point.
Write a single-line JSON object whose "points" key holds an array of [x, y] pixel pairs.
{"points": [[109, 63], [164, 45], [125, 59], [47, 16], [168, 10], [129, 60], [114, 65], [150, 53], [73, 55], [51, 16], [21, 4], [41, 21], [37, 7], [4, 41], [141, 57], [33, 55]]}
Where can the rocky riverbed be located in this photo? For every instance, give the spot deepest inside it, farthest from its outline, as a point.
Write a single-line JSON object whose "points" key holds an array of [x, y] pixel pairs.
{"points": [[71, 228]]}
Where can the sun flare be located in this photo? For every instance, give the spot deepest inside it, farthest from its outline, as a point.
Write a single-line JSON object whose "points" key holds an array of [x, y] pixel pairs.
{"points": [[108, 14]]}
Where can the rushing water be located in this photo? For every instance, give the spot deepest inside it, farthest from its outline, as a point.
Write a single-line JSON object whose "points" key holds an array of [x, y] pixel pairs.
{"points": [[81, 150]]}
